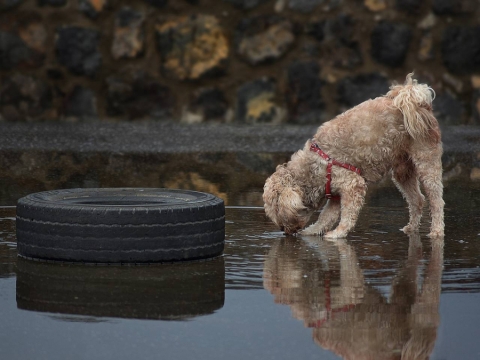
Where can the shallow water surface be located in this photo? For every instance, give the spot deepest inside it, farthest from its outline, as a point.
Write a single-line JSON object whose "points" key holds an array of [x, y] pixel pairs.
{"points": [[379, 294]]}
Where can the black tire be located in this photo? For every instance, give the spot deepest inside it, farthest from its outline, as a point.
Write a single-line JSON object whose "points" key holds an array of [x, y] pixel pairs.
{"points": [[120, 225]]}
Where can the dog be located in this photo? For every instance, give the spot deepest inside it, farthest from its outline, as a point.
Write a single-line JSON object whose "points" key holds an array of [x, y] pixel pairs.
{"points": [[395, 133]]}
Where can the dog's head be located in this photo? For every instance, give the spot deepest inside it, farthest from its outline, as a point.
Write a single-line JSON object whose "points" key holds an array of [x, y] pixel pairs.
{"points": [[283, 201]]}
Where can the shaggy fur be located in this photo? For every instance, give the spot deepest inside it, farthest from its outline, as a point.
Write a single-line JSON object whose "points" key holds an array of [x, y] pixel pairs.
{"points": [[394, 133]]}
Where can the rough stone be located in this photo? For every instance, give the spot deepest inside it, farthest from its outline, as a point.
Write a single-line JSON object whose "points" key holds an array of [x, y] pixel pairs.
{"points": [[255, 102], [390, 43], [425, 51], [475, 81], [316, 29], [9, 4], [76, 49], [461, 49], [246, 4], [427, 22], [375, 5], [56, 3], [332, 5], [476, 106], [340, 28], [192, 47], [475, 174], [81, 104], [15, 52], [128, 34], [264, 38], [448, 109], [454, 7], [139, 97], [453, 82], [33, 33], [311, 49], [92, 8], [346, 57], [208, 104], [409, 6], [304, 6], [303, 94], [24, 98], [157, 3], [55, 74], [355, 90], [455, 173], [339, 47]]}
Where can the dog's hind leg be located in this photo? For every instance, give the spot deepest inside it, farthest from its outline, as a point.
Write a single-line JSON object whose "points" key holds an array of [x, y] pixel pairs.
{"points": [[326, 220], [352, 199], [406, 179], [428, 163]]}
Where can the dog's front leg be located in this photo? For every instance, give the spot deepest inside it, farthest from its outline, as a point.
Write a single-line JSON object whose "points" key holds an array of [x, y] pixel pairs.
{"points": [[352, 199], [326, 220]]}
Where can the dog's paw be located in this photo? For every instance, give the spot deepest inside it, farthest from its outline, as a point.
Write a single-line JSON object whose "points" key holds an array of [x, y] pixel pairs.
{"points": [[409, 229], [312, 231], [436, 234], [335, 234]]}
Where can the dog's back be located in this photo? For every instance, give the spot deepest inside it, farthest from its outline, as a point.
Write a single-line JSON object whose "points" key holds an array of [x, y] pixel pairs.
{"points": [[376, 132]]}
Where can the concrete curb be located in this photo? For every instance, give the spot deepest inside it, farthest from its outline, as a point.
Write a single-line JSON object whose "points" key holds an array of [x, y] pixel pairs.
{"points": [[169, 137]]}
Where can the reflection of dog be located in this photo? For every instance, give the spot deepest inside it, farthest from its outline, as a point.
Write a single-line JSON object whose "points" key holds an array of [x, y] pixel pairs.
{"points": [[349, 317], [395, 132]]}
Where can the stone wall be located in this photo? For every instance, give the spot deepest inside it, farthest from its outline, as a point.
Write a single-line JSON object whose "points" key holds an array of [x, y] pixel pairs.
{"points": [[245, 61]]}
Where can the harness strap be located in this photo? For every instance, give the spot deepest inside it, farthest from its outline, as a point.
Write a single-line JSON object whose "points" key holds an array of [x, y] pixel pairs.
{"points": [[330, 312], [328, 186]]}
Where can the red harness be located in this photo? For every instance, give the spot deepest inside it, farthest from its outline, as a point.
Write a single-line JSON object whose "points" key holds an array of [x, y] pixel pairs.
{"points": [[331, 312], [328, 186]]}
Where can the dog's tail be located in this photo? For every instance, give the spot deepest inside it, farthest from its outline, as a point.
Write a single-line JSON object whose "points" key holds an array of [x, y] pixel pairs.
{"points": [[414, 100]]}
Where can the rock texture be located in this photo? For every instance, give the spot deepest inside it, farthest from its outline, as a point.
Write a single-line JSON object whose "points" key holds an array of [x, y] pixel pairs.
{"points": [[206, 104], [192, 47], [9, 4], [246, 4], [354, 90], [137, 97], [24, 98], [255, 102], [461, 49], [264, 38], [81, 104], [92, 8], [128, 34], [390, 43], [304, 6], [245, 61], [304, 97], [77, 50], [454, 7]]}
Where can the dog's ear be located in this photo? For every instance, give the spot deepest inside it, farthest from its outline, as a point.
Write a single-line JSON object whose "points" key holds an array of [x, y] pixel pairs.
{"points": [[290, 204]]}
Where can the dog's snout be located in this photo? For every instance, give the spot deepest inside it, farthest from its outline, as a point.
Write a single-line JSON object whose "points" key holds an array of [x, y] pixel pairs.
{"points": [[291, 231]]}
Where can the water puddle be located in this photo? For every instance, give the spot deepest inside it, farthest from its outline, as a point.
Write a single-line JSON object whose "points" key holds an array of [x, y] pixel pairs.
{"points": [[379, 294]]}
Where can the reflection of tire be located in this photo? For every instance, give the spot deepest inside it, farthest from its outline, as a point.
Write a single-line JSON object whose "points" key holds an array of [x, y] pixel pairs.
{"points": [[120, 225], [167, 291]]}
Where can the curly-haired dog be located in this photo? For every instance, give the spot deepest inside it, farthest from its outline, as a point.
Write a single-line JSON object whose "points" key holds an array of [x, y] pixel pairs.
{"points": [[396, 132]]}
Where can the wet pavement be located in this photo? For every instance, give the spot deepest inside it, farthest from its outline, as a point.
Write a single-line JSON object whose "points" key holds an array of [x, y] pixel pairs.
{"points": [[378, 294]]}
